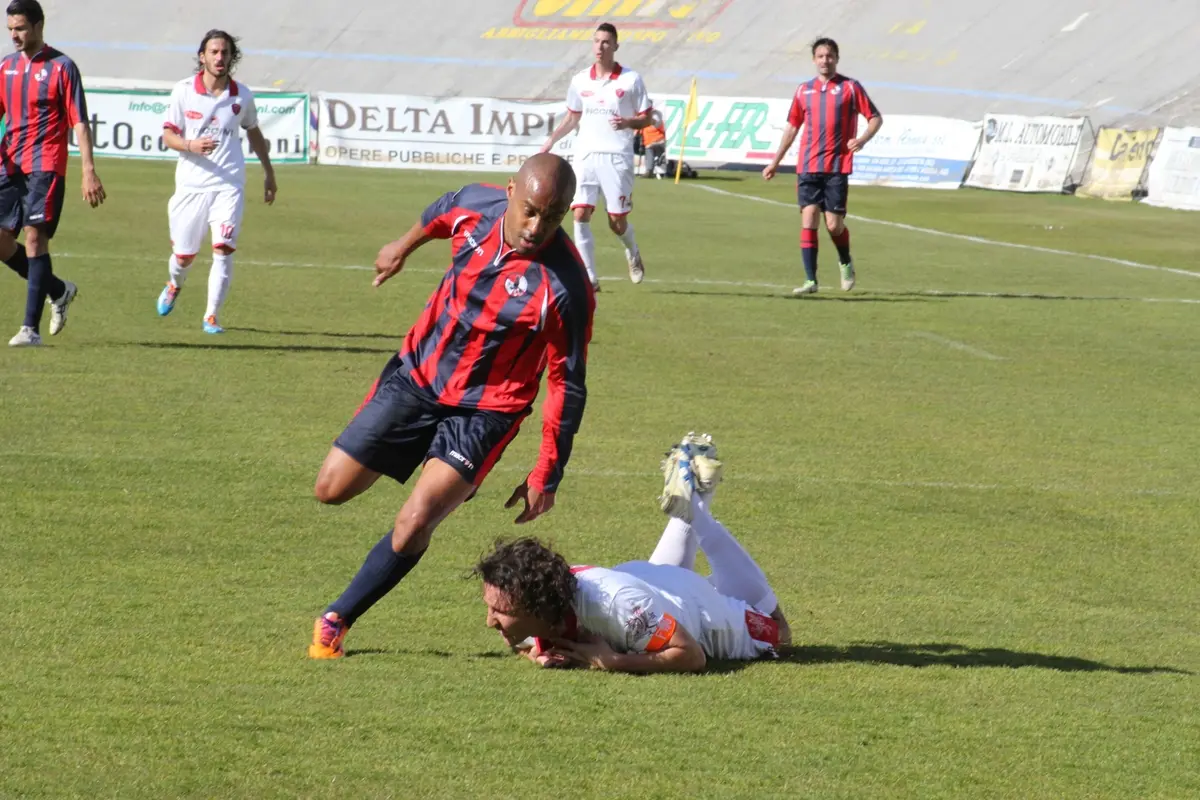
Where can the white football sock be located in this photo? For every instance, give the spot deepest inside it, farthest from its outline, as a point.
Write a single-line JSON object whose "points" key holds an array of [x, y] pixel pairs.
{"points": [[218, 283], [178, 272], [735, 573], [630, 242], [587, 248], [677, 546]]}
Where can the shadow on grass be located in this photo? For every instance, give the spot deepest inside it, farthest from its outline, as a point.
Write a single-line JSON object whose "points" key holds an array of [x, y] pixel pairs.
{"points": [[766, 293], [389, 651], [330, 334], [942, 654], [280, 348]]}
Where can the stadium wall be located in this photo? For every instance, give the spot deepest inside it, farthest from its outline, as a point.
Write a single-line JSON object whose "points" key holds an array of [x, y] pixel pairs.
{"points": [[1113, 61]]}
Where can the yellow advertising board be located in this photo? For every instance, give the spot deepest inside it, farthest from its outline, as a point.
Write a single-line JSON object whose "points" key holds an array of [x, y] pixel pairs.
{"points": [[1118, 163]]}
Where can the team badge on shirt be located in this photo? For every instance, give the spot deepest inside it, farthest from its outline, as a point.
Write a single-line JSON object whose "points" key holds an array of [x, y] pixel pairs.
{"points": [[640, 622], [516, 286]]}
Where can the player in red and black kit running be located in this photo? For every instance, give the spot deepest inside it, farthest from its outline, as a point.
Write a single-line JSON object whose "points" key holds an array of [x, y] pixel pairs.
{"points": [[828, 108], [516, 302], [41, 97]]}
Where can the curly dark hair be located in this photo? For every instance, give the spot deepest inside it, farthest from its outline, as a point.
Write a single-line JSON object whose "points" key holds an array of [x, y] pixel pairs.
{"points": [[825, 41], [538, 579], [235, 53]]}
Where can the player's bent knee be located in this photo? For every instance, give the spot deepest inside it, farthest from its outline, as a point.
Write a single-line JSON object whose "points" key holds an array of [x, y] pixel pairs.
{"points": [[223, 249], [618, 225], [583, 214], [184, 261], [331, 491]]}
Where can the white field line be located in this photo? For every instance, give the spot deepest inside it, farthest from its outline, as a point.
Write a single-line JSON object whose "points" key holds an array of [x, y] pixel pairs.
{"points": [[965, 238], [714, 282], [966, 348]]}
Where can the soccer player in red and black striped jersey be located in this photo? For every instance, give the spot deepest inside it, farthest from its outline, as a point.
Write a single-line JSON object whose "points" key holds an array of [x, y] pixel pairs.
{"points": [[827, 108], [516, 302], [41, 97]]}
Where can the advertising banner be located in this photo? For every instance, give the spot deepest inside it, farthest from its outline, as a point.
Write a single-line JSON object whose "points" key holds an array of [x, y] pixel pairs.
{"points": [[1174, 178], [1118, 163], [1026, 154], [408, 132], [129, 123]]}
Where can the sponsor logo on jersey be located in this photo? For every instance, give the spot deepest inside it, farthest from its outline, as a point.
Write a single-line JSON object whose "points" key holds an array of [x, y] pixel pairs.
{"points": [[193, 115]]}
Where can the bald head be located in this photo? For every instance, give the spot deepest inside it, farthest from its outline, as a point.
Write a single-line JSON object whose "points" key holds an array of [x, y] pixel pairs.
{"points": [[548, 177], [539, 196]]}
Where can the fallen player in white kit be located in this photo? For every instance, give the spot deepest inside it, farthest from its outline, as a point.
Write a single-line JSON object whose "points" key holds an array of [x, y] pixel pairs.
{"points": [[641, 616]]}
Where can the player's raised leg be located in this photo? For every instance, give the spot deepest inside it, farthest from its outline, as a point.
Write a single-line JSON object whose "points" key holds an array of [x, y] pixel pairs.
{"points": [[837, 191], [187, 218], [616, 175], [438, 491]]}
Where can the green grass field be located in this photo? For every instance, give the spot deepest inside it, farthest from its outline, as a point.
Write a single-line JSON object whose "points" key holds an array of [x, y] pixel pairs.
{"points": [[979, 510]]}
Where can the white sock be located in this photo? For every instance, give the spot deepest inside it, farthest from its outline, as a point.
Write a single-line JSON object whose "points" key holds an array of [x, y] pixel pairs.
{"points": [[735, 573], [630, 243], [178, 272], [218, 283], [587, 248], [677, 546]]}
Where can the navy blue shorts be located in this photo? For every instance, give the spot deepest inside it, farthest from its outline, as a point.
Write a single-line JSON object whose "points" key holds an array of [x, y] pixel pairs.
{"points": [[398, 428], [33, 199], [825, 189]]}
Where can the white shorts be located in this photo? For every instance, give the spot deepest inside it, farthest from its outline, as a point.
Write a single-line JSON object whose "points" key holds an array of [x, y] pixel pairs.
{"points": [[192, 213], [607, 173]]}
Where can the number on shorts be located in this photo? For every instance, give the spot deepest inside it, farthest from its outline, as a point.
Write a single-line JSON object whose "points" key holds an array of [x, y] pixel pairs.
{"points": [[226, 230], [624, 202]]}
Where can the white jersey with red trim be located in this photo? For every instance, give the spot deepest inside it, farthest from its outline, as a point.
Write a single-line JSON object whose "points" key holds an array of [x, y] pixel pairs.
{"points": [[636, 606], [194, 113], [599, 98]]}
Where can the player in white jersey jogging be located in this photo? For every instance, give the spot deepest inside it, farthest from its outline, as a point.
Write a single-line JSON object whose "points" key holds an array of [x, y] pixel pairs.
{"points": [[642, 616], [208, 111], [608, 103]]}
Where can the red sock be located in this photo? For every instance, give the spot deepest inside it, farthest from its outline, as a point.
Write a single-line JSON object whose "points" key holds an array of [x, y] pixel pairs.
{"points": [[808, 252], [842, 242]]}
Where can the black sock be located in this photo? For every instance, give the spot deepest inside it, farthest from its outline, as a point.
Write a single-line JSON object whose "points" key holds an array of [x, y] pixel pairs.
{"points": [[18, 262], [40, 275], [379, 574]]}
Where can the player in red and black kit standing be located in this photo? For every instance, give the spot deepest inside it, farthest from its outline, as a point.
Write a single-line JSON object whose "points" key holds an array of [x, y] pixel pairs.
{"points": [[41, 96], [516, 302], [828, 108]]}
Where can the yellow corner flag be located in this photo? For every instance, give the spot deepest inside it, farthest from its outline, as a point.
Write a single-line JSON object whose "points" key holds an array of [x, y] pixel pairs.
{"points": [[690, 115]]}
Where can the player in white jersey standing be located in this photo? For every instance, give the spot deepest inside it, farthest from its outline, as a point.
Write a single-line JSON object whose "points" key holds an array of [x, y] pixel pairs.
{"points": [[204, 123], [607, 103], [641, 616]]}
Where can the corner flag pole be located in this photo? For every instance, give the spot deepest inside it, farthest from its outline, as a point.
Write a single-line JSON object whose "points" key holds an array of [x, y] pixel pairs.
{"points": [[690, 115]]}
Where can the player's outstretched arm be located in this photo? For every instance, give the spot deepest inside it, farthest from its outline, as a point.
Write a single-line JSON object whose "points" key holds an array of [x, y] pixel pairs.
{"points": [[393, 255], [789, 136], [93, 189], [682, 653], [258, 144], [569, 123]]}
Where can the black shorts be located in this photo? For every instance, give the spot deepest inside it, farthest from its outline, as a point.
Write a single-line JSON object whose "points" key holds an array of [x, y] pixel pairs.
{"points": [[33, 199], [825, 189], [398, 428]]}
